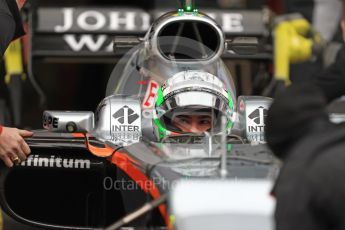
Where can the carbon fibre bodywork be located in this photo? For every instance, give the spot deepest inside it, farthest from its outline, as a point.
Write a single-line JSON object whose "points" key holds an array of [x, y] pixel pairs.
{"points": [[67, 187]]}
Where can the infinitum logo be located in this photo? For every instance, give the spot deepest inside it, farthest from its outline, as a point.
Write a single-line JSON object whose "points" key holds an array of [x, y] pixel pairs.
{"points": [[126, 115], [56, 162], [258, 117]]}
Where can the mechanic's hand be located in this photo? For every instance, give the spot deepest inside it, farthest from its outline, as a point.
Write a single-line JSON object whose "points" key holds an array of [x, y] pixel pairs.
{"points": [[13, 145]]}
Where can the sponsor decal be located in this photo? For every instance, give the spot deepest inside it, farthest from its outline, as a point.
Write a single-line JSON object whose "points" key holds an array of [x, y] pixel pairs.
{"points": [[258, 118], [256, 124], [126, 125], [56, 162], [76, 20], [126, 115], [151, 94], [231, 22], [92, 29], [49, 121], [89, 43], [105, 20]]}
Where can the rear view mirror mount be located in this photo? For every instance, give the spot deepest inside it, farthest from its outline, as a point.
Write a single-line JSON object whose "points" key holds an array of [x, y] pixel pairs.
{"points": [[125, 43], [68, 122], [243, 45]]}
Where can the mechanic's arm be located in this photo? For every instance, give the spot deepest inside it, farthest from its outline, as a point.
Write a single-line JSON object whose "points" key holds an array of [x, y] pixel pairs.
{"points": [[332, 80], [13, 145], [295, 112]]}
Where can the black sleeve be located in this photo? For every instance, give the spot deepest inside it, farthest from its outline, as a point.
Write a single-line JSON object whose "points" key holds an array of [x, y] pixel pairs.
{"points": [[295, 113], [10, 24], [13, 7], [332, 80], [324, 179], [7, 31], [304, 7], [7, 27]]}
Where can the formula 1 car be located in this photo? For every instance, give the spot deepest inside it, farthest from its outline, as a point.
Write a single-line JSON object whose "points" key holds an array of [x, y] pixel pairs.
{"points": [[88, 170]]}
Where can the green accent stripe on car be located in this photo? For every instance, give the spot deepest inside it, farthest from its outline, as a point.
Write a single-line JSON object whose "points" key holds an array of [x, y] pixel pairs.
{"points": [[230, 125], [161, 128], [231, 102], [160, 97], [229, 148]]}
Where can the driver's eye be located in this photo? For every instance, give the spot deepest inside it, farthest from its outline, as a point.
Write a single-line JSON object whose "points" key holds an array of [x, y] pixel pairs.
{"points": [[184, 120], [205, 122]]}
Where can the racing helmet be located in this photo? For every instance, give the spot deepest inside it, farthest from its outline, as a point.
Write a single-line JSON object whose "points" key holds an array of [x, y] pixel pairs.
{"points": [[192, 92]]}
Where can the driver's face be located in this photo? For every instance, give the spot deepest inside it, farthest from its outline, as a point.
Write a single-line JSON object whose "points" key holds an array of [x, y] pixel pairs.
{"points": [[193, 123]]}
